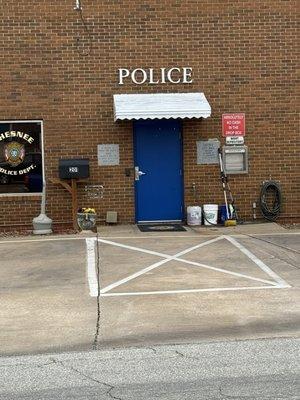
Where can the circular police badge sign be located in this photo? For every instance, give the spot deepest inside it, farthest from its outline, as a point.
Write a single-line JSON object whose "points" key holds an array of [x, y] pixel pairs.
{"points": [[14, 153]]}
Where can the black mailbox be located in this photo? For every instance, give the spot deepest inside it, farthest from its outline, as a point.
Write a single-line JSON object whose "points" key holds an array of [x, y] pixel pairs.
{"points": [[74, 168]]}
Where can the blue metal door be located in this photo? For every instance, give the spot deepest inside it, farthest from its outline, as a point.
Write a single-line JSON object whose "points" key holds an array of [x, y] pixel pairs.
{"points": [[158, 170]]}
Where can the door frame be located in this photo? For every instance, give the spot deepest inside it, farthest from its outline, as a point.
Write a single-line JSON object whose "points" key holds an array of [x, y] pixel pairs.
{"points": [[180, 124]]}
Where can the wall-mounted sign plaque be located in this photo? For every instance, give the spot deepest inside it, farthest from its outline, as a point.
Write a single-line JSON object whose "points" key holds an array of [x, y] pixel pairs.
{"points": [[207, 151], [108, 154]]}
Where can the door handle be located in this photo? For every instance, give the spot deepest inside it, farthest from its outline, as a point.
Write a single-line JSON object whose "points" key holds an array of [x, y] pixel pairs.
{"points": [[138, 173]]}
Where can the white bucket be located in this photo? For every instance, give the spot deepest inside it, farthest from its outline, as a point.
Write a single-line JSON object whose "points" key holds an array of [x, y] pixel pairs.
{"points": [[194, 215], [210, 212]]}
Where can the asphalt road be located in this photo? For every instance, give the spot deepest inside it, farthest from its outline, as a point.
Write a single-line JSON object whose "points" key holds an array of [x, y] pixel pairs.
{"points": [[254, 369]]}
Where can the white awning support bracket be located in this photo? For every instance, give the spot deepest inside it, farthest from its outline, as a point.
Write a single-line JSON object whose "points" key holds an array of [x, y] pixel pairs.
{"points": [[160, 105]]}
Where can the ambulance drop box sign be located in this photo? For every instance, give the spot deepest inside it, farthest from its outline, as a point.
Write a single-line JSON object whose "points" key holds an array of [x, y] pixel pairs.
{"points": [[233, 124]]}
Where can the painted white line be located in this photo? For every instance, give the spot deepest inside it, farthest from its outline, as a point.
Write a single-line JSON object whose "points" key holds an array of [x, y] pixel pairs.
{"points": [[153, 266], [270, 234], [133, 276], [198, 246], [42, 240], [225, 271], [168, 258], [91, 267], [125, 246], [195, 236], [155, 236], [232, 289], [155, 253], [258, 262]]}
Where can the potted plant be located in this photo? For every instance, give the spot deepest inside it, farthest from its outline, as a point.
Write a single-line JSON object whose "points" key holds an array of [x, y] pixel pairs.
{"points": [[86, 218]]}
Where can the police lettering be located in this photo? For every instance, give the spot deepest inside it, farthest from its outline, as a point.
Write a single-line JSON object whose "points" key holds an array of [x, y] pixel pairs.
{"points": [[140, 76], [20, 172]]}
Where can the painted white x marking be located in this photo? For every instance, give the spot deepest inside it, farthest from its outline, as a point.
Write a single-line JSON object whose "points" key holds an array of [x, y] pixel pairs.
{"points": [[276, 282]]}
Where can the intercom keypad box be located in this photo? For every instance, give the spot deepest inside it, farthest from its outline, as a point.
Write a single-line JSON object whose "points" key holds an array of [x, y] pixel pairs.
{"points": [[235, 159], [74, 168]]}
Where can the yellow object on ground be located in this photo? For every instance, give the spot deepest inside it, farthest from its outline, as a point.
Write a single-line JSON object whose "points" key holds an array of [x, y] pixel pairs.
{"points": [[230, 222]]}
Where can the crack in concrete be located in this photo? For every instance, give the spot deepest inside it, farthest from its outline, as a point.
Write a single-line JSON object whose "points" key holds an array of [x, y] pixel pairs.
{"points": [[180, 354], [51, 362], [274, 244], [277, 256], [151, 348], [97, 331], [177, 352], [110, 394], [90, 378]]}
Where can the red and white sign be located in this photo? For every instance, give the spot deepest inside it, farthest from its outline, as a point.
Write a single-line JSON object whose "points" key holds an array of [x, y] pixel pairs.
{"points": [[233, 124]]}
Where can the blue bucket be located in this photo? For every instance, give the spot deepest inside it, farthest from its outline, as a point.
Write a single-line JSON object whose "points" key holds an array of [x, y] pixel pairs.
{"points": [[223, 213]]}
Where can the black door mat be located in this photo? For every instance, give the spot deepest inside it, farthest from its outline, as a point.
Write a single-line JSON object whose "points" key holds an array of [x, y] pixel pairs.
{"points": [[161, 228]]}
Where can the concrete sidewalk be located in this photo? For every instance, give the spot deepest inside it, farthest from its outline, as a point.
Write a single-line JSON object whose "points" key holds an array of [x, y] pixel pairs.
{"points": [[247, 228], [203, 284]]}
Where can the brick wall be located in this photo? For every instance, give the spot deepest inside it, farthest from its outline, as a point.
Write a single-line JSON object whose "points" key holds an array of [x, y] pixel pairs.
{"points": [[243, 55]]}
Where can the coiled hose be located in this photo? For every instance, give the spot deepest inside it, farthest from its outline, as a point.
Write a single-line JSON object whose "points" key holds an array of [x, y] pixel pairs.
{"points": [[270, 200]]}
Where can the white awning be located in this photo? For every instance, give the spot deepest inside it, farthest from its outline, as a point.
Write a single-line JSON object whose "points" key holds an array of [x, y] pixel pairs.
{"points": [[161, 105]]}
